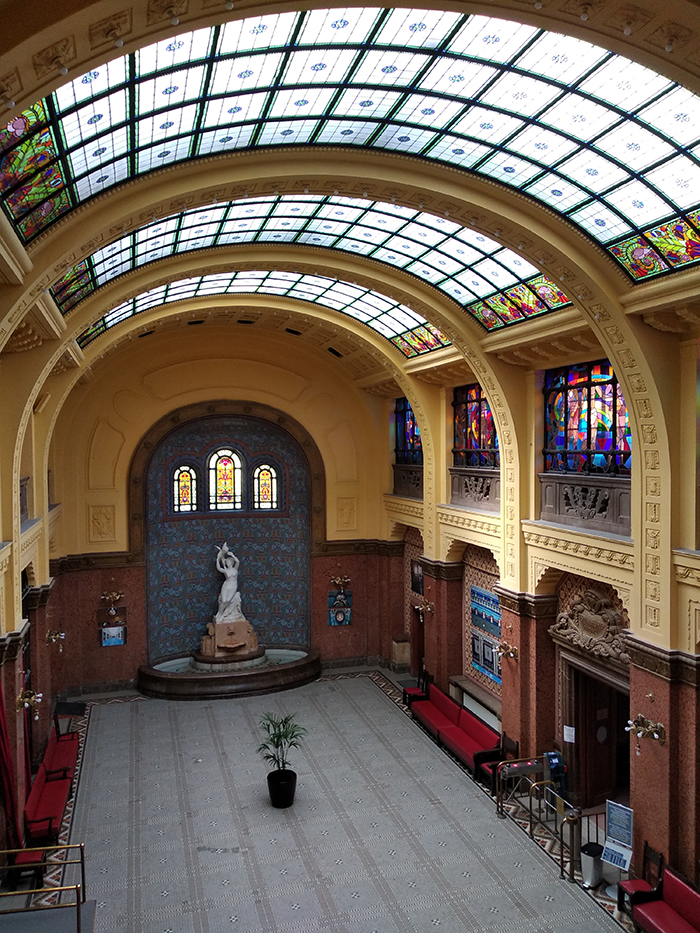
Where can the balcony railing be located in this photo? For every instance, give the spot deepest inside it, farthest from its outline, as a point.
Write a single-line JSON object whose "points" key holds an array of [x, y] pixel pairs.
{"points": [[408, 480], [475, 488], [595, 502]]}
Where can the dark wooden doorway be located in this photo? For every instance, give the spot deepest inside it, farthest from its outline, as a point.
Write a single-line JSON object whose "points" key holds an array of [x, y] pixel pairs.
{"points": [[598, 760]]}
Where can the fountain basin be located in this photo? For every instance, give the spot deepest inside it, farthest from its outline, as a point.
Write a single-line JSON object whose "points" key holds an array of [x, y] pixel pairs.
{"points": [[178, 679]]}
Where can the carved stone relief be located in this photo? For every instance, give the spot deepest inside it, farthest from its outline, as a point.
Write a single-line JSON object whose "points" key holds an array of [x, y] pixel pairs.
{"points": [[592, 622]]}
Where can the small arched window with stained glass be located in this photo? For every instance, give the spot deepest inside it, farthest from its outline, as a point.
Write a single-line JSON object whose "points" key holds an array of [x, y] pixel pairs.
{"points": [[225, 485], [185, 489], [265, 487]]}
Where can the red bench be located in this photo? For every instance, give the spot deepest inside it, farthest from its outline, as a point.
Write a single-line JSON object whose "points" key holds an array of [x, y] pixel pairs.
{"points": [[61, 755], [466, 736], [673, 907], [44, 808]]}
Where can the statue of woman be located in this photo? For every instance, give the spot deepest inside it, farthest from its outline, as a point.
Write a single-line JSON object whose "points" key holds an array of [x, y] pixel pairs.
{"points": [[229, 597]]}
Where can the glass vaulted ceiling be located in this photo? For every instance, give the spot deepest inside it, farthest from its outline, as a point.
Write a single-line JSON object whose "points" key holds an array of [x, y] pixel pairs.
{"points": [[607, 143], [407, 330], [492, 283]]}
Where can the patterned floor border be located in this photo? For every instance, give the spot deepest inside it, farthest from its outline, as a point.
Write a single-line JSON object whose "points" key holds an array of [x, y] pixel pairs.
{"points": [[546, 840]]}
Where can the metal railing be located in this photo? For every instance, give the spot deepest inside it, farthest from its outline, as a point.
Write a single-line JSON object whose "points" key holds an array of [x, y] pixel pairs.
{"points": [[42, 862]]}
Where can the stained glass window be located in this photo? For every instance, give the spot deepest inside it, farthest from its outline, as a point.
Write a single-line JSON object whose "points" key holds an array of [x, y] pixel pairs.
{"points": [[587, 427], [225, 480], [408, 442], [592, 135], [265, 487], [475, 438], [185, 489]]}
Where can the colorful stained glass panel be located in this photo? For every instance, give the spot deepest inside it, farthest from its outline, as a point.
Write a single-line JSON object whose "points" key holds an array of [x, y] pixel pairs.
{"points": [[677, 241], [638, 258]]}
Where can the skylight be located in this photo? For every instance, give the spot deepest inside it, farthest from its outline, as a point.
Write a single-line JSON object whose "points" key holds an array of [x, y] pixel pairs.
{"points": [[408, 331], [493, 284], [605, 142]]}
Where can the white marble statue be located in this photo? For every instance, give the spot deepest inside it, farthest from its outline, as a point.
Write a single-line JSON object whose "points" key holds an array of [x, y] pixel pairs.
{"points": [[229, 597]]}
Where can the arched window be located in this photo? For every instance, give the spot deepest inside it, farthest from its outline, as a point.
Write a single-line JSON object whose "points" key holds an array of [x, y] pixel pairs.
{"points": [[185, 489], [475, 438], [265, 487], [587, 428], [408, 442], [225, 486]]}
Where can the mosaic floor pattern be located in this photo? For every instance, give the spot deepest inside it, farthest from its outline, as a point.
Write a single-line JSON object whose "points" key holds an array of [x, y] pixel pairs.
{"points": [[386, 834]]}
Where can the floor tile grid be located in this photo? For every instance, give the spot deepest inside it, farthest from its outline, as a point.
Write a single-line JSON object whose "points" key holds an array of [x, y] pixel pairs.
{"points": [[329, 913]]}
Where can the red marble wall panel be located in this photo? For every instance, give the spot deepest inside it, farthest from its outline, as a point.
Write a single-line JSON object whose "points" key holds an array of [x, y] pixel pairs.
{"points": [[73, 609], [376, 582]]}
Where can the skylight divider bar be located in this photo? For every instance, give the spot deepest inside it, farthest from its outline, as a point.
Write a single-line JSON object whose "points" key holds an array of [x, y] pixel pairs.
{"points": [[132, 116], [204, 98]]}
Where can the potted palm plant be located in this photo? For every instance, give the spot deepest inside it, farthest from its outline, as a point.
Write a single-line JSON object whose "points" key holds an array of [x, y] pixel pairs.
{"points": [[282, 733]]}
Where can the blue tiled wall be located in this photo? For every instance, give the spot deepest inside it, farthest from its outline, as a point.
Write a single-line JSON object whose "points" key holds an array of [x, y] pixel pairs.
{"points": [[181, 578]]}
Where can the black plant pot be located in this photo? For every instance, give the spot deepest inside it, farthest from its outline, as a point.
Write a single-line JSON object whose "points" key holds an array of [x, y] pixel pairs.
{"points": [[282, 786]]}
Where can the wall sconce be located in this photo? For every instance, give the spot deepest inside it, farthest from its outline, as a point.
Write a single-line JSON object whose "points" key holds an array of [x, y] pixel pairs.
{"points": [[646, 729], [340, 582], [423, 605], [112, 598], [29, 699], [53, 637], [505, 650]]}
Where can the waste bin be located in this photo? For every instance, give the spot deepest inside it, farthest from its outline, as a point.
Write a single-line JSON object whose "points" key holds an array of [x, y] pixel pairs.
{"points": [[591, 865]]}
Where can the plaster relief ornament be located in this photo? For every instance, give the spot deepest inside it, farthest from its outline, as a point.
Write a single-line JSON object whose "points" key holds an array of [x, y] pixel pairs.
{"points": [[592, 622]]}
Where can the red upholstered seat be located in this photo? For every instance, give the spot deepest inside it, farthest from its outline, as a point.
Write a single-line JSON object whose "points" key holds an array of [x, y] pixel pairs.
{"points": [[674, 907], [658, 917]]}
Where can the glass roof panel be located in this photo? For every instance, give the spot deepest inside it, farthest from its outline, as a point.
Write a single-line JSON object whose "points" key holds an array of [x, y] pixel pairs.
{"points": [[460, 262], [561, 58], [495, 40], [625, 84], [440, 85]]}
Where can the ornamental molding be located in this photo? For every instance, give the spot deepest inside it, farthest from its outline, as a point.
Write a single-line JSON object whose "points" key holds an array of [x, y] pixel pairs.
{"points": [[403, 506], [593, 623], [687, 567], [31, 536], [580, 549], [5, 554], [454, 519]]}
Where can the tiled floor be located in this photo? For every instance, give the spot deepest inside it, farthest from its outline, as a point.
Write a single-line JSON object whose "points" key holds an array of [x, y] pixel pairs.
{"points": [[387, 834]]}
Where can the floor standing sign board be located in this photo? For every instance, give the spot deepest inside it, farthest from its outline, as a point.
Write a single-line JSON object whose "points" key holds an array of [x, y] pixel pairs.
{"points": [[618, 835]]}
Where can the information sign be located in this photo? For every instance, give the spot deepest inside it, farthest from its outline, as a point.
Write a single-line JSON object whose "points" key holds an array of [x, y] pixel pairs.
{"points": [[618, 835]]}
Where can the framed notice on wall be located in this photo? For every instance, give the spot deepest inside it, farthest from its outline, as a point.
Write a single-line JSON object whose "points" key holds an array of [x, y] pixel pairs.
{"points": [[486, 632], [111, 635]]}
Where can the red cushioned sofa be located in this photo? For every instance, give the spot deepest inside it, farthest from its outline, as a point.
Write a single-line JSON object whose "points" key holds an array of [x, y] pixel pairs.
{"points": [[466, 736], [43, 811], [61, 755], [673, 907]]}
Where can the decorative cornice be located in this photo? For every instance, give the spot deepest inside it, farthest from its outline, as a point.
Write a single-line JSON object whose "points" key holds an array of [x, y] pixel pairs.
{"points": [[456, 518], [527, 604], [5, 554], [37, 596], [674, 666], [403, 506], [11, 644], [103, 561], [358, 546], [567, 543], [442, 570], [31, 535]]}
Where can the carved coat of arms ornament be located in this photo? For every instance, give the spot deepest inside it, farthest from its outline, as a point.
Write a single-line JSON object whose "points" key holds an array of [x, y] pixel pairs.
{"points": [[593, 623]]}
